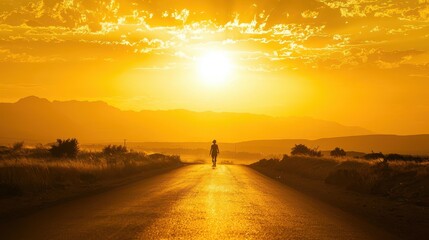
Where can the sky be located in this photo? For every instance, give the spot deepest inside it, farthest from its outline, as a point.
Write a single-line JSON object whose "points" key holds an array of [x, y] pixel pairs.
{"points": [[359, 62]]}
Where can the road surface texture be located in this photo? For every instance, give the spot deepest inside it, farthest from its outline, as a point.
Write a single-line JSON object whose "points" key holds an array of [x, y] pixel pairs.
{"points": [[194, 202]]}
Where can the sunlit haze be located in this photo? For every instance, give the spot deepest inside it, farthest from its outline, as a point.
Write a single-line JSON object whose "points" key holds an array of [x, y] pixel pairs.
{"points": [[359, 63]]}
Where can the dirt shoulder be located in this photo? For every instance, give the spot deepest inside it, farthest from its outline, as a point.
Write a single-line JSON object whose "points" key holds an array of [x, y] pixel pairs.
{"points": [[13, 207], [406, 220]]}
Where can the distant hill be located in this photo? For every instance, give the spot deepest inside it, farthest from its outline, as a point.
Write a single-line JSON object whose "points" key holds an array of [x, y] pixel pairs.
{"points": [[412, 144], [36, 119]]}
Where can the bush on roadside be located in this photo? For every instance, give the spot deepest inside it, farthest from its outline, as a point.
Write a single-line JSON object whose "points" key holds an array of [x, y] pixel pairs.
{"points": [[36, 175], [65, 148], [18, 146], [338, 152], [399, 157], [402, 180], [114, 149], [374, 156], [301, 149]]}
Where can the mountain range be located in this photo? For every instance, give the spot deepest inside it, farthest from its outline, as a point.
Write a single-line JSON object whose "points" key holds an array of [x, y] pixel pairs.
{"points": [[35, 119]]}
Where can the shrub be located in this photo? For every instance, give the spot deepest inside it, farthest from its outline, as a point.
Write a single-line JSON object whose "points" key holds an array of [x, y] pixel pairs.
{"points": [[17, 146], [402, 180], [338, 152], [373, 155], [65, 148], [301, 149], [114, 149], [399, 157]]}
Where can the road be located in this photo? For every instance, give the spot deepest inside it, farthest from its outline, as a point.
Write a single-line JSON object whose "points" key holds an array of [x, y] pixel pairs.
{"points": [[194, 202]]}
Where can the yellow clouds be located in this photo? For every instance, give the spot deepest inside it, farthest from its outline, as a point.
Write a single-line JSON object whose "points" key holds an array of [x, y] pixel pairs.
{"points": [[265, 35], [65, 13]]}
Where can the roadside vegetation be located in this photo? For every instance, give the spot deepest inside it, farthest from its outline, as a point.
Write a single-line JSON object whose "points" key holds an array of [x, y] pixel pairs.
{"points": [[62, 166], [395, 176]]}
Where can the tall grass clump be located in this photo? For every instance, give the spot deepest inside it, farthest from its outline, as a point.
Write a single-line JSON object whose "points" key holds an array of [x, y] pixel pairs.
{"points": [[39, 171], [400, 180]]}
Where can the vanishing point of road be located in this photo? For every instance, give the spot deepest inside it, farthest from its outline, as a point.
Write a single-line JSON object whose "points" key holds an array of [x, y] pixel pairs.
{"points": [[194, 202]]}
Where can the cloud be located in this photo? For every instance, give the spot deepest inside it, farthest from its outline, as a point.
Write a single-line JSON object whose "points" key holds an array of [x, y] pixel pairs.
{"points": [[6, 55], [285, 34], [403, 10]]}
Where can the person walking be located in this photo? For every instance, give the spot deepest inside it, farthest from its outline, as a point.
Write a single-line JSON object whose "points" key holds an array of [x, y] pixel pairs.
{"points": [[214, 151]]}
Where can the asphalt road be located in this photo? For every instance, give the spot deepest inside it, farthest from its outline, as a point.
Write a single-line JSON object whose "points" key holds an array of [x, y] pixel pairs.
{"points": [[194, 202]]}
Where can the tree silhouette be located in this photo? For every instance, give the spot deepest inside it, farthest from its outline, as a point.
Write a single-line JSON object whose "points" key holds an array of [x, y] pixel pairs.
{"points": [[65, 148], [338, 152], [301, 149]]}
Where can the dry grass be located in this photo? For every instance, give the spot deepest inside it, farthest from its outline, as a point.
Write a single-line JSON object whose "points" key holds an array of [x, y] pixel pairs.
{"points": [[404, 181], [24, 175]]}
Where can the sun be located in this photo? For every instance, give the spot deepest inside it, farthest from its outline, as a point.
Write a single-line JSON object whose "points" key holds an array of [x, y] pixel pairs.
{"points": [[214, 67]]}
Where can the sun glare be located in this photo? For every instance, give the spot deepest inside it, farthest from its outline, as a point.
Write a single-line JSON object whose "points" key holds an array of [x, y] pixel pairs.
{"points": [[214, 67]]}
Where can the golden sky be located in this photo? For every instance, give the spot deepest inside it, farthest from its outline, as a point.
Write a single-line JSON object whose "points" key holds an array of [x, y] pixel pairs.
{"points": [[357, 62]]}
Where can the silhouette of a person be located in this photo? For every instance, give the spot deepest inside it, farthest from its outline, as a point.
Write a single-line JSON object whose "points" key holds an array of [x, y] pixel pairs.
{"points": [[214, 151]]}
